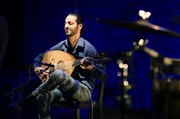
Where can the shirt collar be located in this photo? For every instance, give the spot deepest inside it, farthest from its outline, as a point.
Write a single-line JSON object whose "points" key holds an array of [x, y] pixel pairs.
{"points": [[79, 43]]}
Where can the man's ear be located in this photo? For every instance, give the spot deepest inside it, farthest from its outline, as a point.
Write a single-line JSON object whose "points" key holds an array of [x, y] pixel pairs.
{"points": [[80, 26]]}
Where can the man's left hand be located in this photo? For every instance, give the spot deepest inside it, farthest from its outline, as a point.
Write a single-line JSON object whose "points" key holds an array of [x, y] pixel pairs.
{"points": [[86, 64]]}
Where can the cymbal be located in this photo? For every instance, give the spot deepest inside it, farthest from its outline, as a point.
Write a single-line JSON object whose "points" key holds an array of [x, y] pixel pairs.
{"points": [[140, 25]]}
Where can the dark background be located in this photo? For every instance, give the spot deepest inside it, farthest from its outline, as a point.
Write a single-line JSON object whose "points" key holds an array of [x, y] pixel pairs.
{"points": [[34, 26]]}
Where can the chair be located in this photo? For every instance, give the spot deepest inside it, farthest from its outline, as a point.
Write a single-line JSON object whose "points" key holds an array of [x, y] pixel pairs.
{"points": [[92, 105]]}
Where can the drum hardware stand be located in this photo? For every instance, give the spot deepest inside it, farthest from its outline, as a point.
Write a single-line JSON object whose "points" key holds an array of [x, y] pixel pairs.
{"points": [[125, 86], [123, 65]]}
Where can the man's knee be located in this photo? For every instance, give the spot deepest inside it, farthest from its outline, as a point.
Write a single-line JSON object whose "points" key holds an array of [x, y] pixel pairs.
{"points": [[58, 74]]}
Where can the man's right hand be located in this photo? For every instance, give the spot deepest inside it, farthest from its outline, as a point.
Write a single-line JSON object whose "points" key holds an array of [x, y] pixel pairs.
{"points": [[42, 72]]}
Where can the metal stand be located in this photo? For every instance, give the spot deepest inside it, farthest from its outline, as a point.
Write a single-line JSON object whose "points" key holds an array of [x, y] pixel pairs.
{"points": [[125, 86], [18, 105]]}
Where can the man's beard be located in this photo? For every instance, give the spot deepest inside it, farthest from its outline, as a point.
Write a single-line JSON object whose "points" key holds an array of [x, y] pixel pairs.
{"points": [[70, 34]]}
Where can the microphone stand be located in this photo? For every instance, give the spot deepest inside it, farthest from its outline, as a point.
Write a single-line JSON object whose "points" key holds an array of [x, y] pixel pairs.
{"points": [[20, 88]]}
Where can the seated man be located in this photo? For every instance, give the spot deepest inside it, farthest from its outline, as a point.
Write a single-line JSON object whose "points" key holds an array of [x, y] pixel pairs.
{"points": [[59, 85]]}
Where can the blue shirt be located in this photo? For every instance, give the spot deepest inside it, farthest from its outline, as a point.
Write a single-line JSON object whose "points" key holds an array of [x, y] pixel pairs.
{"points": [[82, 49]]}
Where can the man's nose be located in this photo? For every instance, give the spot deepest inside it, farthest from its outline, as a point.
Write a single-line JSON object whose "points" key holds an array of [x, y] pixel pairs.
{"points": [[66, 26]]}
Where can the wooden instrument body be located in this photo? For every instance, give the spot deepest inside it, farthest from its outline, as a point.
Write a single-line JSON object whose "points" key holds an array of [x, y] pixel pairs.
{"points": [[61, 61]]}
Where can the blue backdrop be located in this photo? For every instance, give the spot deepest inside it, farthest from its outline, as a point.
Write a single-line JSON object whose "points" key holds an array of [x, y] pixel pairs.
{"points": [[42, 26]]}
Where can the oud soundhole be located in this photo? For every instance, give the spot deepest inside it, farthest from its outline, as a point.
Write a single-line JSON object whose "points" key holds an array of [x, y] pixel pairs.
{"points": [[60, 65]]}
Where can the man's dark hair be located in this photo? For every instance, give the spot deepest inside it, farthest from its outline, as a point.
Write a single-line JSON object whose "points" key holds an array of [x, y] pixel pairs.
{"points": [[79, 19]]}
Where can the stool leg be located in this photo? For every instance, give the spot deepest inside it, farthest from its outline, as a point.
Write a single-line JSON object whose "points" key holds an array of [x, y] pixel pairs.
{"points": [[77, 113], [100, 113], [91, 112]]}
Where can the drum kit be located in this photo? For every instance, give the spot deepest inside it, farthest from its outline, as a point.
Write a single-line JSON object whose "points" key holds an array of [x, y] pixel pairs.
{"points": [[143, 25], [169, 65]]}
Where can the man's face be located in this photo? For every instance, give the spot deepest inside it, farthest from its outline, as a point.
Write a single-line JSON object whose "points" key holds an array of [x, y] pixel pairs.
{"points": [[71, 27]]}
